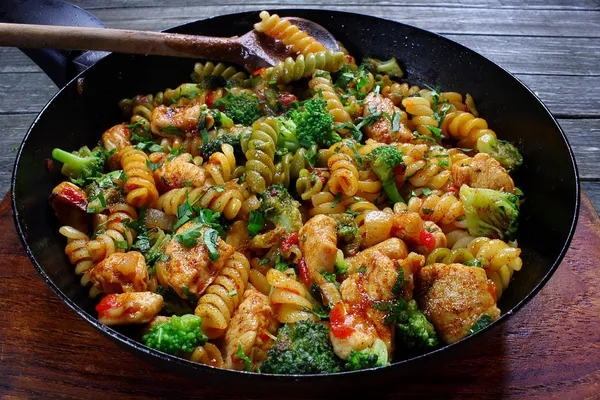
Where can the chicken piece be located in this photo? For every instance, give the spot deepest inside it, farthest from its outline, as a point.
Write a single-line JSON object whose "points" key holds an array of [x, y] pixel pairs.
{"points": [[116, 138], [70, 205], [189, 271], [394, 248], [121, 272], [381, 130], [129, 308], [355, 323], [318, 243], [178, 172], [482, 171], [252, 327], [168, 121], [411, 265], [238, 237], [454, 297]]}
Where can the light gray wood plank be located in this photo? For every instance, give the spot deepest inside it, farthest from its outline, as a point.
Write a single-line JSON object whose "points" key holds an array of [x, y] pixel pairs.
{"points": [[12, 131], [25, 92], [497, 4], [584, 138], [592, 190], [457, 20]]}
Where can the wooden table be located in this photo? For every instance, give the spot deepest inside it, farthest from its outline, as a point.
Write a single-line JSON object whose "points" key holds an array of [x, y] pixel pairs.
{"points": [[550, 349]]}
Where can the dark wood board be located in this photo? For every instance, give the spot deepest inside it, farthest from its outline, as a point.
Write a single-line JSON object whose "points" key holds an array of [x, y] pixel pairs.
{"points": [[549, 349]]}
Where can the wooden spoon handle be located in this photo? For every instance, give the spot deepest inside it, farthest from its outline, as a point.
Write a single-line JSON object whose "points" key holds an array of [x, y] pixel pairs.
{"points": [[120, 40]]}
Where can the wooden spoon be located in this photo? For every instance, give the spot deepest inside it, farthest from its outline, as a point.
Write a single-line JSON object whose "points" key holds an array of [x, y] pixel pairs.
{"points": [[253, 50]]}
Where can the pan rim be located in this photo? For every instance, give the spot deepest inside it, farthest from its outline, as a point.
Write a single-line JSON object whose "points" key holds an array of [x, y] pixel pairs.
{"points": [[138, 346]]}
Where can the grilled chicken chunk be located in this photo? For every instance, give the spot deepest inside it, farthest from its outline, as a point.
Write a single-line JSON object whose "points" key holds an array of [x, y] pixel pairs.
{"points": [[168, 121], [355, 323], [252, 326], [189, 271], [121, 272], [454, 297], [129, 308], [178, 172], [116, 138], [318, 243], [381, 130], [482, 171]]}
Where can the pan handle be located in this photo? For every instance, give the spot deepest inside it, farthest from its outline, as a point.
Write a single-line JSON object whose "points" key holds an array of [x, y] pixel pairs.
{"points": [[59, 65]]}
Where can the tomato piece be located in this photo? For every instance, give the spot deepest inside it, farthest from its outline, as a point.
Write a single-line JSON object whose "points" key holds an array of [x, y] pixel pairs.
{"points": [[289, 241], [427, 239], [108, 302], [210, 100], [286, 98], [338, 322], [258, 71], [303, 269]]}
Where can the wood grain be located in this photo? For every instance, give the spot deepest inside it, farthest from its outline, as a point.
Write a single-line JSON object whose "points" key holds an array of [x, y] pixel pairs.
{"points": [[549, 349]]}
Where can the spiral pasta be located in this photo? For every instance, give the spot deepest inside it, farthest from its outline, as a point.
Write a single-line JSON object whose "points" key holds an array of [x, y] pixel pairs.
{"points": [[444, 209], [303, 66], [221, 165], [208, 354], [465, 127], [290, 166], [290, 297], [140, 187], [259, 148], [423, 167], [499, 260], [77, 250], [208, 68], [322, 85], [280, 29], [222, 297], [188, 144]]}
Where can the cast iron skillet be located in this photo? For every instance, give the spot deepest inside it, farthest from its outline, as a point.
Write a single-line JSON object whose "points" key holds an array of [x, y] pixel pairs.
{"points": [[71, 119]]}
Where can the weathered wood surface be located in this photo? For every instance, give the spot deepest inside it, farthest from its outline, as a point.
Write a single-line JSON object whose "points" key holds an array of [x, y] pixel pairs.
{"points": [[548, 350]]}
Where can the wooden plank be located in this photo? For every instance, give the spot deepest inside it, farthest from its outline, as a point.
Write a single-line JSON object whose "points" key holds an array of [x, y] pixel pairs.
{"points": [[12, 129], [28, 92], [583, 135], [592, 190], [464, 20], [489, 4]]}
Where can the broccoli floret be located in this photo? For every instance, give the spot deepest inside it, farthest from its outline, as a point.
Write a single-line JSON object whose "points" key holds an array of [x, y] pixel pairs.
{"points": [[375, 356], [490, 213], [413, 330], [389, 67], [314, 124], [286, 139], [81, 166], [243, 109], [302, 349], [504, 152], [341, 266], [383, 161], [214, 145], [280, 208], [180, 334], [222, 120]]}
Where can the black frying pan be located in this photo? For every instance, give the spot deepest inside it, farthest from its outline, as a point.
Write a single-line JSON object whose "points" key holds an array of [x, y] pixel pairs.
{"points": [[73, 119]]}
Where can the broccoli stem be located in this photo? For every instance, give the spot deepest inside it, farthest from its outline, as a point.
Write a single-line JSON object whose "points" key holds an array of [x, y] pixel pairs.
{"points": [[392, 191], [69, 159]]}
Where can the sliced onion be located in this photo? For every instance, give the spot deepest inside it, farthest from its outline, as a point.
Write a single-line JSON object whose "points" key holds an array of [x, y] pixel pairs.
{"points": [[158, 219]]}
